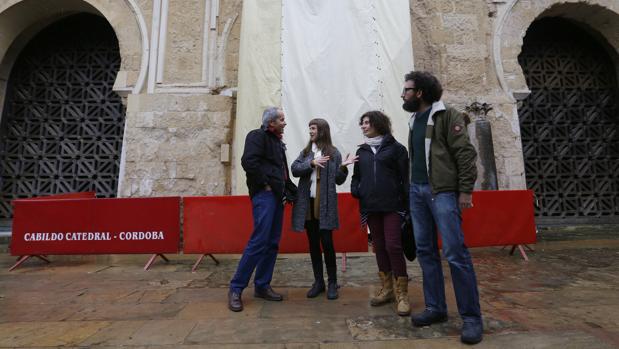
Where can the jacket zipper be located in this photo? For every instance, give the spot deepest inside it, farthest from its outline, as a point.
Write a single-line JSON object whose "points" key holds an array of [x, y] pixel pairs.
{"points": [[375, 169], [377, 150]]}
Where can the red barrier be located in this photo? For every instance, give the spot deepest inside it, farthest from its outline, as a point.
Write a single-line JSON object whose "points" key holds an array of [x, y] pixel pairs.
{"points": [[96, 226], [77, 223], [499, 218], [223, 224]]}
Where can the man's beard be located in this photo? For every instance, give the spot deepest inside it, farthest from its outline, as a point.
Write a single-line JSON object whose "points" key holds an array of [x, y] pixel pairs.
{"points": [[412, 105]]}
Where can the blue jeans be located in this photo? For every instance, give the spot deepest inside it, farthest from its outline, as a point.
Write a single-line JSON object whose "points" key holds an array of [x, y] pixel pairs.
{"points": [[442, 211], [261, 250]]}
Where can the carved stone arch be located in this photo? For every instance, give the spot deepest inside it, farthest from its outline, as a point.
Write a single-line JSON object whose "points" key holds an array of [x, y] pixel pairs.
{"points": [[229, 50], [20, 20], [599, 17], [570, 121]]}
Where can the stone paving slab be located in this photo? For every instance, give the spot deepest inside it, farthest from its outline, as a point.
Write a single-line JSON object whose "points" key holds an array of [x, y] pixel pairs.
{"points": [[260, 331], [564, 297], [47, 334], [115, 334]]}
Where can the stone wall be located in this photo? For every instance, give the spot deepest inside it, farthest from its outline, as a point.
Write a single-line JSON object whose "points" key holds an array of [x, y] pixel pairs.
{"points": [[472, 46], [176, 130], [183, 58], [453, 40], [173, 145], [201, 43], [175, 133], [231, 15], [178, 123]]}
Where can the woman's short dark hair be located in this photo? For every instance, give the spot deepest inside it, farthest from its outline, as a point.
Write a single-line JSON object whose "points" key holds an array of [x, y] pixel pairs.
{"points": [[428, 83], [378, 120]]}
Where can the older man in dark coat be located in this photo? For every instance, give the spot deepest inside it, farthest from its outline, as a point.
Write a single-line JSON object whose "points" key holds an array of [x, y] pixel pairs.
{"points": [[264, 161]]}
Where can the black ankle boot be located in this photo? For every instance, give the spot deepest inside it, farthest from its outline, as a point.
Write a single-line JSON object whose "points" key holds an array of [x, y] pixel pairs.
{"points": [[317, 288], [332, 290]]}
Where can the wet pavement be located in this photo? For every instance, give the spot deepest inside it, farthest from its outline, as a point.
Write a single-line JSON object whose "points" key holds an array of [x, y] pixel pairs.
{"points": [[566, 296]]}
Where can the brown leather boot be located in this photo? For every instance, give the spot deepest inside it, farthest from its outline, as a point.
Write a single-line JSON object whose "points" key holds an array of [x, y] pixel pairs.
{"points": [[401, 294], [385, 295]]}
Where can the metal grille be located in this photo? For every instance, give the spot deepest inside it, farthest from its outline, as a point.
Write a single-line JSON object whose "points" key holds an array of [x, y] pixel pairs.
{"points": [[570, 124], [62, 125]]}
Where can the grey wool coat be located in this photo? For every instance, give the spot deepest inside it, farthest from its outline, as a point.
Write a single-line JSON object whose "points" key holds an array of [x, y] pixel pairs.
{"points": [[333, 173]]}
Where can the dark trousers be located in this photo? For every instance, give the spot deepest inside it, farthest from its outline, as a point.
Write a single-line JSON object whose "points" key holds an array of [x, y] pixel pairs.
{"points": [[316, 237], [387, 242], [261, 250]]}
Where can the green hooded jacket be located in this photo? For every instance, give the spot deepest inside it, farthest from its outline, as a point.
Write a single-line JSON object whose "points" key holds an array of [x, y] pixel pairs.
{"points": [[450, 156]]}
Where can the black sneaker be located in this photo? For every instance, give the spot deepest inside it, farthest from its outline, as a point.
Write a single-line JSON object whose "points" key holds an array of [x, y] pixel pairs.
{"points": [[317, 288], [472, 332], [427, 318]]}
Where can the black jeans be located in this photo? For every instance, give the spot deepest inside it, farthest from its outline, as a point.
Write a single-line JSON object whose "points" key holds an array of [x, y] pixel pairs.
{"points": [[316, 237]]}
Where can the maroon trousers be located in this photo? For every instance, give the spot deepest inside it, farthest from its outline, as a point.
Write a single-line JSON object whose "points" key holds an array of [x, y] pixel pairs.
{"points": [[387, 242]]}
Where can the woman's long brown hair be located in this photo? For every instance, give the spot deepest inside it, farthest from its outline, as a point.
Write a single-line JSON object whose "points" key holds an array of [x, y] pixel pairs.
{"points": [[323, 138]]}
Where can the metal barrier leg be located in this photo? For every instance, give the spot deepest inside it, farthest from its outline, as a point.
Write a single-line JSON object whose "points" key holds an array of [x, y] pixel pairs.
{"points": [[343, 262], [213, 258], [42, 257], [195, 265], [522, 253], [150, 262], [20, 260], [521, 250], [512, 250]]}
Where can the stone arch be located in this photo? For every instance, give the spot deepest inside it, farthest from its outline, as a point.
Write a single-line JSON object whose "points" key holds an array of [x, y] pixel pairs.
{"points": [[230, 43], [20, 20], [63, 124], [599, 17], [569, 123]]}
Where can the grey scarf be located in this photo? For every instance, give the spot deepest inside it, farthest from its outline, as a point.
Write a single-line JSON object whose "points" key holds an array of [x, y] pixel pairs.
{"points": [[374, 142]]}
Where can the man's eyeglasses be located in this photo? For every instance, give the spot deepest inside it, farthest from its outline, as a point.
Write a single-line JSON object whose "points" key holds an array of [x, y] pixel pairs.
{"points": [[406, 89]]}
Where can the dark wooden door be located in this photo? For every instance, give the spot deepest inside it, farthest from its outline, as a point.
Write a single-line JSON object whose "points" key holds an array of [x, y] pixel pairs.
{"points": [[569, 124], [62, 125]]}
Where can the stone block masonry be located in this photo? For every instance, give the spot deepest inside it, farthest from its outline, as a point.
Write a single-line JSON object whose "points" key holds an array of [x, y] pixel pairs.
{"points": [[172, 145]]}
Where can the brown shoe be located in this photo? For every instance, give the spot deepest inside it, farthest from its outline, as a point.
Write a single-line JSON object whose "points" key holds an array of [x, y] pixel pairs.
{"points": [[234, 301], [268, 294]]}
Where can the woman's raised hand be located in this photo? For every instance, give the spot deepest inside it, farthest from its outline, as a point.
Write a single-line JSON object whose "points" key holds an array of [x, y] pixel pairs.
{"points": [[320, 161], [350, 159]]}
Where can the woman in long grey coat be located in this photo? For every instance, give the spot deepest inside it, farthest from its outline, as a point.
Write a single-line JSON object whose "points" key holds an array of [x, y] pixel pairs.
{"points": [[320, 168]]}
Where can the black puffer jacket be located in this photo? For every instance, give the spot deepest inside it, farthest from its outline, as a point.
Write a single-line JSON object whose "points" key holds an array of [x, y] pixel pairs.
{"points": [[380, 181], [264, 162]]}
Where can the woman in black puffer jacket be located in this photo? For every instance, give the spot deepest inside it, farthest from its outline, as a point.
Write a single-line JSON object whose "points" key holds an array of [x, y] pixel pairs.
{"points": [[380, 182]]}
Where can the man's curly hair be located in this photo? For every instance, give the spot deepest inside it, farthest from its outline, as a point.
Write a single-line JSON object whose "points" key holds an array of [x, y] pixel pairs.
{"points": [[428, 83]]}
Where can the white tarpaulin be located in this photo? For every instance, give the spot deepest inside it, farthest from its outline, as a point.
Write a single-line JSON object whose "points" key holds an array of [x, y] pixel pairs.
{"points": [[339, 59], [259, 75]]}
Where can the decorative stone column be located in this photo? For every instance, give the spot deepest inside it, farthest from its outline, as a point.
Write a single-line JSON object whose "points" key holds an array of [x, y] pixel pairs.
{"points": [[480, 133]]}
